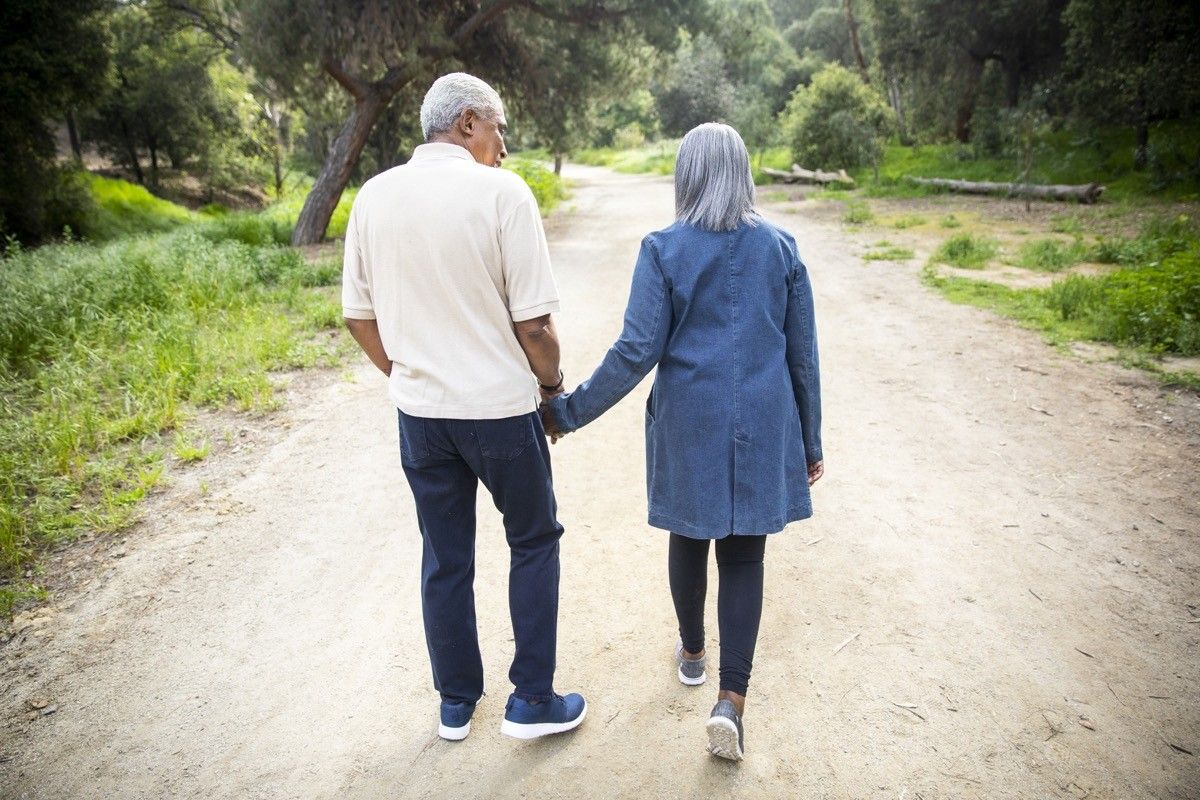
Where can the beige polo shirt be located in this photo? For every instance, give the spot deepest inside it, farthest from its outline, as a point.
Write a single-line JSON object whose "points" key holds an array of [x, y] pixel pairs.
{"points": [[446, 254]]}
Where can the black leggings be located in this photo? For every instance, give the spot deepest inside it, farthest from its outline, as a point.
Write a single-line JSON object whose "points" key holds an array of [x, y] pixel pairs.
{"points": [[739, 599]]}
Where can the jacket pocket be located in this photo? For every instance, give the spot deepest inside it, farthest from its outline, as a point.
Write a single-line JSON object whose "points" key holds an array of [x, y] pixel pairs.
{"points": [[504, 439]]}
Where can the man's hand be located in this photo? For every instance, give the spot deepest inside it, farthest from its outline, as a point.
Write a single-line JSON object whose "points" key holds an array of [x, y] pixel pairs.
{"points": [[815, 471], [550, 423]]}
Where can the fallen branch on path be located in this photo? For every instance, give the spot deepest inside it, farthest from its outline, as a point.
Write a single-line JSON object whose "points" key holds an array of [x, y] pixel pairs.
{"points": [[1083, 193], [849, 639], [799, 174]]}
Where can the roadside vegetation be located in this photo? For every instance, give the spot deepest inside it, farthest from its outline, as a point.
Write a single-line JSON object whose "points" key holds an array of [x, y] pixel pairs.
{"points": [[1148, 303], [132, 298]]}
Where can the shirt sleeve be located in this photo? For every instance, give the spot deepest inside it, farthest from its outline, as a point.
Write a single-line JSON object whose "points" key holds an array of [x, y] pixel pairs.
{"points": [[356, 288], [525, 260]]}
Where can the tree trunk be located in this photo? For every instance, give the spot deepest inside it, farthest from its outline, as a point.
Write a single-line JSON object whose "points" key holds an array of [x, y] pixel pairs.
{"points": [[278, 165], [153, 164], [897, 101], [339, 163], [852, 24], [966, 104], [131, 152], [73, 135], [558, 159], [1084, 193], [799, 174], [1141, 152]]}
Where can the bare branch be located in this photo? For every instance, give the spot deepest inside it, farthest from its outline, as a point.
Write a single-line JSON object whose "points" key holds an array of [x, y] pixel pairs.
{"points": [[221, 30], [352, 84], [488, 11]]}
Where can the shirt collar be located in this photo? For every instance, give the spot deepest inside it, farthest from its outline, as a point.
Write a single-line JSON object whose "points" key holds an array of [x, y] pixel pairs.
{"points": [[441, 150]]}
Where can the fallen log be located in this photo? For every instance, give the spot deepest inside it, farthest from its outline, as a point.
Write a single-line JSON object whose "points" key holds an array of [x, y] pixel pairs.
{"points": [[799, 174], [1084, 193]]}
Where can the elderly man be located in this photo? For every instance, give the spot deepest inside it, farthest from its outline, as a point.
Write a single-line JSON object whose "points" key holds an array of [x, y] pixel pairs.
{"points": [[447, 288]]}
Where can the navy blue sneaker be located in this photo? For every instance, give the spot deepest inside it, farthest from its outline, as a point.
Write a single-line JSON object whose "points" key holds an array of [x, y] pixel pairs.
{"points": [[526, 720], [456, 720]]}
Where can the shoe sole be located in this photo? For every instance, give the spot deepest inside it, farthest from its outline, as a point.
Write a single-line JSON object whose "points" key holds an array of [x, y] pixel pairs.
{"points": [[723, 739], [454, 734], [686, 681], [536, 730]]}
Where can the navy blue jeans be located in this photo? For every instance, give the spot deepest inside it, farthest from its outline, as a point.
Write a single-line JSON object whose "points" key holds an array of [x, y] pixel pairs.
{"points": [[444, 461]]}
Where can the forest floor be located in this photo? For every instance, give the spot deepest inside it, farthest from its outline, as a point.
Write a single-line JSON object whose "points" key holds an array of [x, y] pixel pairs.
{"points": [[998, 597]]}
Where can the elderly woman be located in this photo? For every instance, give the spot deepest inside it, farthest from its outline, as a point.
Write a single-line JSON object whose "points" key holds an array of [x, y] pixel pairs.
{"points": [[721, 304]]}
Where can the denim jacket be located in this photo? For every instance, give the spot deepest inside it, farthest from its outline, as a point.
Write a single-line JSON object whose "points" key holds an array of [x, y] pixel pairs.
{"points": [[734, 417]]}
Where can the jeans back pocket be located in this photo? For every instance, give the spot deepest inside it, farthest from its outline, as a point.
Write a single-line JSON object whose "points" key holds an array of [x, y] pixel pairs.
{"points": [[414, 442], [504, 439]]}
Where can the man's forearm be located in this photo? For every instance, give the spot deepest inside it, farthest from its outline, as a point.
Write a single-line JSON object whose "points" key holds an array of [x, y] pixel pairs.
{"points": [[539, 340], [366, 333]]}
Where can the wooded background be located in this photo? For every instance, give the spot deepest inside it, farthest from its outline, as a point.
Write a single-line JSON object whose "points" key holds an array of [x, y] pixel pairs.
{"points": [[236, 101]]}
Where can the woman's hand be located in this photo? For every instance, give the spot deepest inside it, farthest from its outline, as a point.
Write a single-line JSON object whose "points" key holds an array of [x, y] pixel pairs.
{"points": [[815, 471], [549, 423]]}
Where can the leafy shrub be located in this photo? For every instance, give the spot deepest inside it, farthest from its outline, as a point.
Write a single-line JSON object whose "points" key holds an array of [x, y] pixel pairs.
{"points": [[966, 251], [1050, 255], [1158, 239], [1157, 306], [546, 186], [837, 121], [1074, 298]]}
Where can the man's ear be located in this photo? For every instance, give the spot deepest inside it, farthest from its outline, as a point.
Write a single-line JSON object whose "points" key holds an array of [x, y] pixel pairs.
{"points": [[467, 121]]}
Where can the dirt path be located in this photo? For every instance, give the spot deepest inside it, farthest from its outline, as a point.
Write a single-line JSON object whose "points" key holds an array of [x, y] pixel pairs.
{"points": [[996, 599]]}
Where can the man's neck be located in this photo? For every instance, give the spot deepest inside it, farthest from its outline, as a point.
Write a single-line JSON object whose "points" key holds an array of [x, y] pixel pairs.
{"points": [[450, 137]]}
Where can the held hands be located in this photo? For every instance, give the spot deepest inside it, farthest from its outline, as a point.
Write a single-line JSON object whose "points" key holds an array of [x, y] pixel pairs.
{"points": [[815, 471], [549, 423], [547, 393]]}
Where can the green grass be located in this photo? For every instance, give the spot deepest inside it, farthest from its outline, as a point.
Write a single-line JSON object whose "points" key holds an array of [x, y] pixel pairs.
{"points": [[950, 221], [1050, 255], [125, 209], [1150, 304], [908, 221], [857, 213], [889, 253], [105, 349], [967, 251], [187, 450], [657, 158], [1067, 156]]}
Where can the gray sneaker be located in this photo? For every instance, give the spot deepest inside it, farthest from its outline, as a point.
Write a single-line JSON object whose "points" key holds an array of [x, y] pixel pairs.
{"points": [[691, 673], [725, 732]]}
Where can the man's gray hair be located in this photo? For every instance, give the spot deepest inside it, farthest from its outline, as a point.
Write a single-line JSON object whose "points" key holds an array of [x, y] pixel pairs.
{"points": [[713, 186], [453, 94]]}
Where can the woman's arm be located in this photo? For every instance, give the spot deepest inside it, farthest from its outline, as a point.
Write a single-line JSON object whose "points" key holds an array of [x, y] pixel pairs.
{"points": [[640, 347], [800, 328]]}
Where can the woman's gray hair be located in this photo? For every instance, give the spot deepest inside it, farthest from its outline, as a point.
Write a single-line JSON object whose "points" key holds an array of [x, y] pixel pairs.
{"points": [[453, 94], [713, 186]]}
